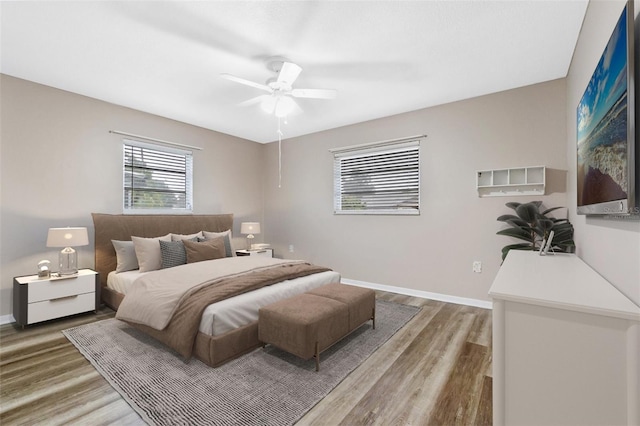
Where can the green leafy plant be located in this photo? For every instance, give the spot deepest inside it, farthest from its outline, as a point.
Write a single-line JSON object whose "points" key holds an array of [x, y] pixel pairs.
{"points": [[533, 226]]}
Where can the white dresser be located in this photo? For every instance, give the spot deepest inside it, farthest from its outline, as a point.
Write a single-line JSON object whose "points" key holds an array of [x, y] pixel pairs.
{"points": [[566, 345], [40, 299]]}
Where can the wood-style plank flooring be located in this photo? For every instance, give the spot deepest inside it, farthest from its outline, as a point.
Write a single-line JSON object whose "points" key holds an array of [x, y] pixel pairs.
{"points": [[434, 371]]}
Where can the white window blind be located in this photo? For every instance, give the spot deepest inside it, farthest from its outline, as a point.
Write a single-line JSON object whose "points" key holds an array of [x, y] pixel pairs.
{"points": [[381, 178], [156, 178]]}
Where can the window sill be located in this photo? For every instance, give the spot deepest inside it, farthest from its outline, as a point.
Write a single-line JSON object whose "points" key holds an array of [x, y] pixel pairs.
{"points": [[408, 212]]}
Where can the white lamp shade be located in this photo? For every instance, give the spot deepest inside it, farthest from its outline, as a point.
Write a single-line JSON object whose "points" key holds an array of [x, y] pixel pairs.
{"points": [[250, 228], [67, 237], [284, 106], [269, 103]]}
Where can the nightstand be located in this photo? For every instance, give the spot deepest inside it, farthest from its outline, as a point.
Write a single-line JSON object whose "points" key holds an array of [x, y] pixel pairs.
{"points": [[266, 252], [40, 299]]}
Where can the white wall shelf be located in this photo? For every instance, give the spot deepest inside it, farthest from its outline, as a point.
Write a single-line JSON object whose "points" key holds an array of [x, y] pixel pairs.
{"points": [[509, 182]]}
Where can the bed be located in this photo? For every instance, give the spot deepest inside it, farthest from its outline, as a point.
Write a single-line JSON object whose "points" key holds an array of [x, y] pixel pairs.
{"points": [[227, 328]]}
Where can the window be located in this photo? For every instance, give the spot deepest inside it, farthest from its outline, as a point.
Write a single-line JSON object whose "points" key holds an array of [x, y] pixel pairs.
{"points": [[156, 178], [379, 178]]}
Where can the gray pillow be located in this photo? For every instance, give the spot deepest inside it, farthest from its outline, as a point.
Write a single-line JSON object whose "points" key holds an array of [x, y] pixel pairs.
{"points": [[190, 237], [173, 253], [125, 255], [228, 249]]}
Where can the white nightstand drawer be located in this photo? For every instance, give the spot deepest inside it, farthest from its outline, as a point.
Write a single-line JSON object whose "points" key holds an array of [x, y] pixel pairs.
{"points": [[54, 289], [61, 307], [266, 252]]}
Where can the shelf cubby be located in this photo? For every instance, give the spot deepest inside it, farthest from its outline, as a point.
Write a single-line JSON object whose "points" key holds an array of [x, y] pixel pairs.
{"points": [[510, 182]]}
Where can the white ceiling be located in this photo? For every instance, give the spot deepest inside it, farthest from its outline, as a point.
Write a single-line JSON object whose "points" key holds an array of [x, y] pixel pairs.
{"points": [[383, 57]]}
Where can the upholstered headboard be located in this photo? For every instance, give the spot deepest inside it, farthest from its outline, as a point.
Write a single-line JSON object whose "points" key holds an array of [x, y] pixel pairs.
{"points": [[121, 227]]}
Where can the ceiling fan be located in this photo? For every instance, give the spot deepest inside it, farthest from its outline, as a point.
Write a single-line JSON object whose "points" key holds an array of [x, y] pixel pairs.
{"points": [[279, 100]]}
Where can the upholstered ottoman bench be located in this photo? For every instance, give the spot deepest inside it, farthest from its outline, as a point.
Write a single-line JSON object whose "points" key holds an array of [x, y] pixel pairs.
{"points": [[361, 302], [309, 323]]}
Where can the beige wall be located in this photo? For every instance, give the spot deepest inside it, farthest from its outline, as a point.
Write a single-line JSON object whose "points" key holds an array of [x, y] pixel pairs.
{"points": [[611, 247], [59, 163], [432, 252]]}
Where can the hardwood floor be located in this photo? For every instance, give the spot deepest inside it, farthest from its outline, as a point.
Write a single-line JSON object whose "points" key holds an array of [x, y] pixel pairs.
{"points": [[434, 371]]}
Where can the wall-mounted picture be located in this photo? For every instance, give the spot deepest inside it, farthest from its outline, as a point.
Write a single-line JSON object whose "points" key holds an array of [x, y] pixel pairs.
{"points": [[604, 127]]}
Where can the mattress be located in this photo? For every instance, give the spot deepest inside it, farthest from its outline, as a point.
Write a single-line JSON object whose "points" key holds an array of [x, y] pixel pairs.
{"points": [[226, 315]]}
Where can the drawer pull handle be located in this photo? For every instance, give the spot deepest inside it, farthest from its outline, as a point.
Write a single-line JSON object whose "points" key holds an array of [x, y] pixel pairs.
{"points": [[63, 298]]}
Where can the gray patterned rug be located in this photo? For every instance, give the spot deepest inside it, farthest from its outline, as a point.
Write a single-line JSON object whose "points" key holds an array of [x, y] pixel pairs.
{"points": [[264, 387]]}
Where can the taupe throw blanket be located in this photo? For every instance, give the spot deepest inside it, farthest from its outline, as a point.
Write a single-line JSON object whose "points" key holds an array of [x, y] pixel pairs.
{"points": [[182, 329]]}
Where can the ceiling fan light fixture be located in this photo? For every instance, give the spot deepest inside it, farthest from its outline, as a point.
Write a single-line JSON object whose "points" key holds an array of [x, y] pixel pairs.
{"points": [[284, 106], [268, 104]]}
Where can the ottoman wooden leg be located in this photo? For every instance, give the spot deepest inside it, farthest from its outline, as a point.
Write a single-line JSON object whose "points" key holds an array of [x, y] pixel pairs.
{"points": [[317, 356], [373, 317]]}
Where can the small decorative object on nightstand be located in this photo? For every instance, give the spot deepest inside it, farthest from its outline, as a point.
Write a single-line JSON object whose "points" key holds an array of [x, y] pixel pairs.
{"points": [[40, 299], [267, 252], [43, 269]]}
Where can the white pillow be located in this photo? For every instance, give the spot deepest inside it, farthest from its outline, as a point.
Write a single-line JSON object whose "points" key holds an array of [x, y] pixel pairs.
{"points": [[228, 248], [148, 252], [180, 237]]}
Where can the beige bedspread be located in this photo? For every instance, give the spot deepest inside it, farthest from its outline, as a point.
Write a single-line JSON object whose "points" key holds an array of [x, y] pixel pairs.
{"points": [[168, 304]]}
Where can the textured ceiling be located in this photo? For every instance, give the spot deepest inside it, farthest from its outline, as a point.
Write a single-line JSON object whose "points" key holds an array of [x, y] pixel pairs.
{"points": [[383, 57]]}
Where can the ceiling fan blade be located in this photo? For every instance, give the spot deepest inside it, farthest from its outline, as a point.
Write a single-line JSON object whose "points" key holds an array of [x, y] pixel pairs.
{"points": [[314, 93], [296, 109], [253, 101], [246, 82], [288, 73]]}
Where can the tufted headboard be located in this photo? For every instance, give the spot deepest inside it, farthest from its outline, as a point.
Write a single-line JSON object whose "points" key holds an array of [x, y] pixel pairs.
{"points": [[121, 227]]}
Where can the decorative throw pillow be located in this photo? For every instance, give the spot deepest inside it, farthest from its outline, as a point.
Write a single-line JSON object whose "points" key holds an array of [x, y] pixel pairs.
{"points": [[180, 237], [148, 252], [172, 253], [205, 250], [228, 248], [125, 255]]}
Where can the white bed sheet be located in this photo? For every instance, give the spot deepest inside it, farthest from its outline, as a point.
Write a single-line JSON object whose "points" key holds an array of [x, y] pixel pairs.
{"points": [[122, 281], [237, 311]]}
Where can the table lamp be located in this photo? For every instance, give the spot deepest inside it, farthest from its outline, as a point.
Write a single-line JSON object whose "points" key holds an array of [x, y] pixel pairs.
{"points": [[250, 228], [67, 238]]}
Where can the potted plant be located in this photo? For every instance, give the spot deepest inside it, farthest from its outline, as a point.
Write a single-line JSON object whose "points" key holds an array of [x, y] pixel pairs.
{"points": [[533, 226]]}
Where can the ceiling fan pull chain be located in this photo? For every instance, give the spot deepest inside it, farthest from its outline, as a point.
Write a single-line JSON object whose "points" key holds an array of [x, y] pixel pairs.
{"points": [[279, 155]]}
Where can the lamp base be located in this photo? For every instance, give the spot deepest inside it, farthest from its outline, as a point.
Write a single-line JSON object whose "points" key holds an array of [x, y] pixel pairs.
{"points": [[250, 238], [68, 262]]}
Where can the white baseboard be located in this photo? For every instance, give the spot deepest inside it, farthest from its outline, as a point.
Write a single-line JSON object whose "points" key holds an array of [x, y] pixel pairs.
{"points": [[422, 294], [7, 319]]}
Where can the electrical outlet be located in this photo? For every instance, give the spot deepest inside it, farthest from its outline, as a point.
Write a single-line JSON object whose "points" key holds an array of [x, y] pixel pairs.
{"points": [[291, 248], [477, 266]]}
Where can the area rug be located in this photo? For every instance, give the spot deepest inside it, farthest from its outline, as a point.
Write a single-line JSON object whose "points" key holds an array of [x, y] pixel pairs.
{"points": [[264, 387]]}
